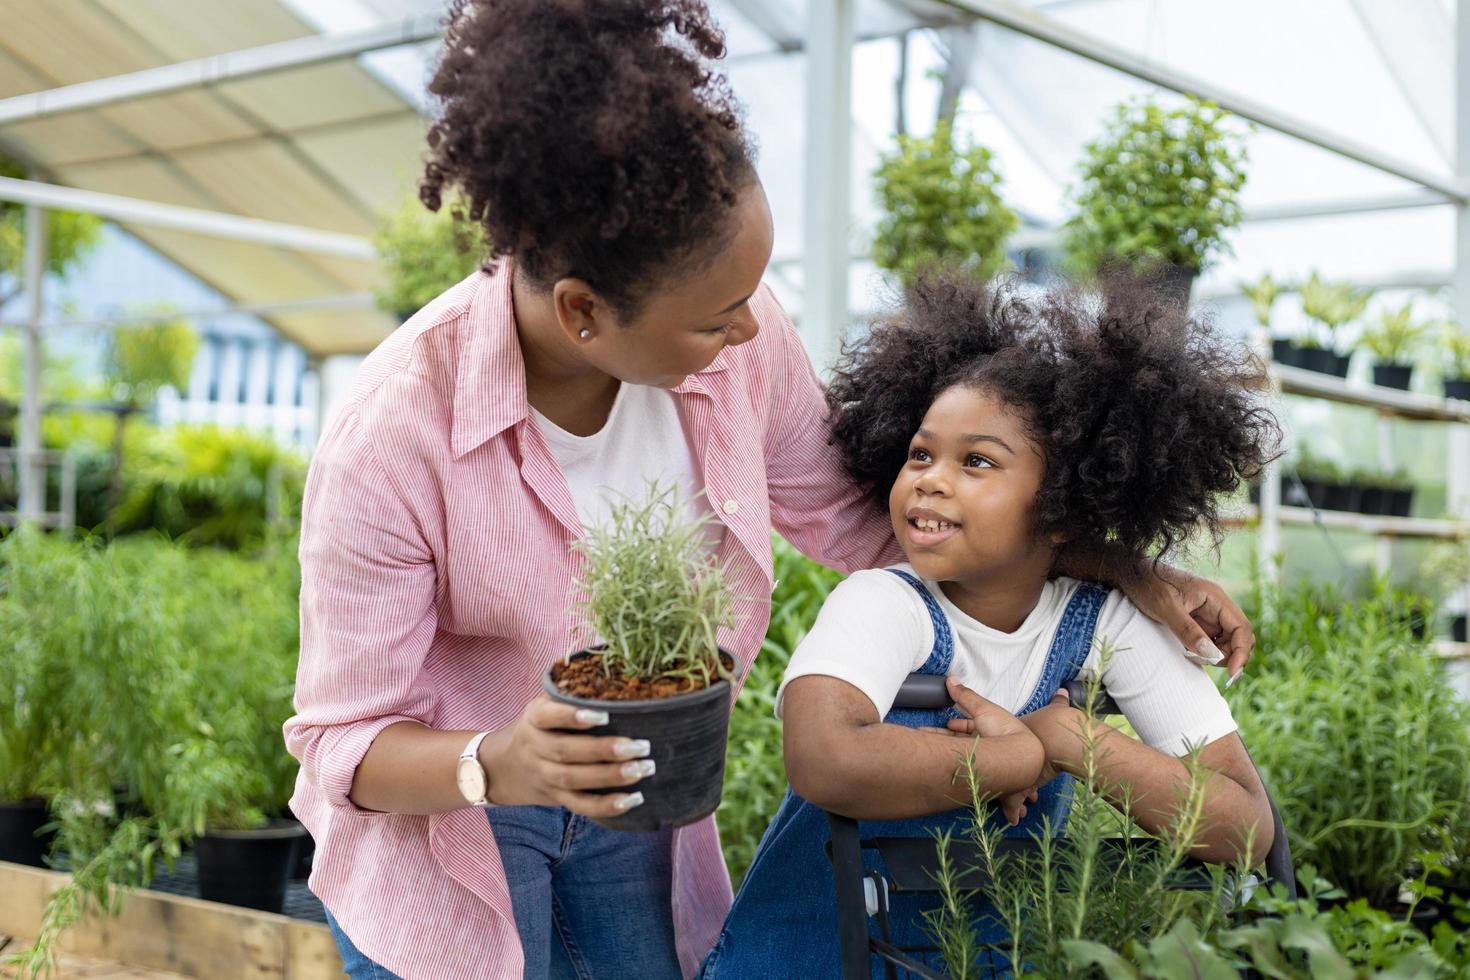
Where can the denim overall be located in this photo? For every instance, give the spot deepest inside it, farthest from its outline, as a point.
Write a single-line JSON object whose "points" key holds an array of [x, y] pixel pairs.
{"points": [[784, 920]]}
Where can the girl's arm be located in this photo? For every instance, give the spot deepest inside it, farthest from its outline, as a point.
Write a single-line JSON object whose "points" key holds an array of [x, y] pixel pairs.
{"points": [[842, 757], [1234, 808]]}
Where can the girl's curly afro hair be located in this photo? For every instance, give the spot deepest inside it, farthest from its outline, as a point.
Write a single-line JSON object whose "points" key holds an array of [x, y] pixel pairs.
{"points": [[1144, 414], [588, 137]]}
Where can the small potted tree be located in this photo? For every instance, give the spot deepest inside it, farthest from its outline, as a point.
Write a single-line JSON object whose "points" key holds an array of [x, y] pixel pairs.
{"points": [[1332, 305], [423, 253], [941, 207], [1158, 193], [1455, 344], [1392, 342], [656, 599]]}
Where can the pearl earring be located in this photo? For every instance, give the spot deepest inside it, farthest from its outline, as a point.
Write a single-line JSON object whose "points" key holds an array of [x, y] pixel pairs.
{"points": [[584, 333]]}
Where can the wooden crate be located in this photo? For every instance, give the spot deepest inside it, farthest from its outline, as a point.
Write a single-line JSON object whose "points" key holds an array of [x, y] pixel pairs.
{"points": [[187, 936]]}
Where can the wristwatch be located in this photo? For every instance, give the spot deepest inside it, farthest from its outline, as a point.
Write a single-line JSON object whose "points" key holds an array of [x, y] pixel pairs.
{"points": [[473, 782]]}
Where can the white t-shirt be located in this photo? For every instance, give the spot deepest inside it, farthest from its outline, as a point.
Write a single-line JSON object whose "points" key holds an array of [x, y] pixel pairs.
{"points": [[642, 440], [874, 629]]}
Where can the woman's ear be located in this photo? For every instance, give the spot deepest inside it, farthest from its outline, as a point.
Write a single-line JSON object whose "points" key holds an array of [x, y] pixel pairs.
{"points": [[581, 313]]}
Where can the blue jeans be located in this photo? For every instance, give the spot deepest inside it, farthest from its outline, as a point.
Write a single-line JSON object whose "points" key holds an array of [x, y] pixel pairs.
{"points": [[354, 964], [589, 903]]}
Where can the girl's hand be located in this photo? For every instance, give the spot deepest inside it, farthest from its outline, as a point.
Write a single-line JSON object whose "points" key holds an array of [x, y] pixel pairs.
{"points": [[540, 761], [986, 718], [1200, 613]]}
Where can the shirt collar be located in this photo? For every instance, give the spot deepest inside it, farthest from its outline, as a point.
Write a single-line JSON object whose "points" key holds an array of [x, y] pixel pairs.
{"points": [[490, 390]]}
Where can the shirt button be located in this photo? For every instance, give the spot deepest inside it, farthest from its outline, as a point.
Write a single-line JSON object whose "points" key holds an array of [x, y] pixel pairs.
{"points": [[731, 506]]}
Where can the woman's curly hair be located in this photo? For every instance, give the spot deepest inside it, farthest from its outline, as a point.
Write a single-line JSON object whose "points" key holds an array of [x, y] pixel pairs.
{"points": [[1144, 414], [588, 137]]}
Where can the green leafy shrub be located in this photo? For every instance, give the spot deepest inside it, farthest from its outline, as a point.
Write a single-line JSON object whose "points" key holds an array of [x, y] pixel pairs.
{"points": [[69, 237], [941, 207], [1355, 729], [423, 253], [1454, 343], [755, 773], [208, 485], [174, 673], [1262, 295], [1160, 187]]}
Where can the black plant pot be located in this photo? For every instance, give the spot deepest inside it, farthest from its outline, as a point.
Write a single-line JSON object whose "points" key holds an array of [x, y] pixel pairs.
{"points": [[686, 734], [1458, 631], [249, 868], [1316, 359], [1338, 364], [1342, 497], [1373, 500], [305, 852], [1457, 388], [1255, 493], [1399, 502], [21, 840], [1393, 375], [1283, 351]]}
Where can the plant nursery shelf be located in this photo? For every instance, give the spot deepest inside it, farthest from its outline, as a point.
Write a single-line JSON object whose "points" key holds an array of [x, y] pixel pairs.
{"points": [[1451, 650], [1395, 527], [1405, 404]]}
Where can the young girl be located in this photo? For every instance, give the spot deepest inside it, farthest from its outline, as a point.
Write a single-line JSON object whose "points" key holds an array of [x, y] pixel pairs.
{"points": [[996, 428]]}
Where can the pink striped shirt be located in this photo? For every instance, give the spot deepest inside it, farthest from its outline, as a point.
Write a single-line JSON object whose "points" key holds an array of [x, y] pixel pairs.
{"points": [[435, 572]]}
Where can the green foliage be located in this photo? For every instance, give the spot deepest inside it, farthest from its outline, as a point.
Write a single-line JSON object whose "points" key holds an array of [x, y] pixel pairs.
{"points": [[210, 486], [755, 772], [169, 672], [1072, 902], [1333, 305], [1262, 296], [1357, 732], [1396, 335], [1455, 344], [651, 589], [1312, 467], [69, 236], [423, 253], [148, 356], [1160, 186], [941, 207]]}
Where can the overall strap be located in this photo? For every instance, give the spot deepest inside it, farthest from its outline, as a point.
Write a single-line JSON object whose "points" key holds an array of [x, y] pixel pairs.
{"points": [[1070, 644], [941, 655]]}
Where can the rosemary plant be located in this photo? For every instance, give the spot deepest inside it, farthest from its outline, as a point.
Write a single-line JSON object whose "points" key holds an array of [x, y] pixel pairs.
{"points": [[1098, 888], [652, 591]]}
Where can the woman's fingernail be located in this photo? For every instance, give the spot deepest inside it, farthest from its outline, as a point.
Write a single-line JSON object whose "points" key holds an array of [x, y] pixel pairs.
{"points": [[588, 716], [629, 801], [1233, 678], [1208, 651], [632, 748], [639, 769]]}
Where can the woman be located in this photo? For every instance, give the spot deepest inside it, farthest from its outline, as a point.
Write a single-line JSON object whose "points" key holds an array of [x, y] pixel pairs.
{"points": [[622, 334]]}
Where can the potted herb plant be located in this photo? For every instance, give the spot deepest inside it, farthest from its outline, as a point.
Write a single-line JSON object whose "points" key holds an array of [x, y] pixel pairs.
{"points": [[423, 253], [1399, 490], [1392, 342], [1262, 295], [1455, 343], [1158, 192], [657, 599], [941, 207], [1332, 305]]}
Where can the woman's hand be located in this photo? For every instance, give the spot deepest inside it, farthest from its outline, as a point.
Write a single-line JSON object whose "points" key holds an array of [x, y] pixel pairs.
{"points": [[1200, 613], [540, 761]]}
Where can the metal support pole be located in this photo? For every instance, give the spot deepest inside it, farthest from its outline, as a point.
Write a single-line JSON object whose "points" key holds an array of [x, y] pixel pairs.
{"points": [[824, 314], [32, 471]]}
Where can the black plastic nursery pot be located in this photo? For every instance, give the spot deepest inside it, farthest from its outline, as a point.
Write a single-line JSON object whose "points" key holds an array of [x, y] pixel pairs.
{"points": [[686, 735], [249, 868], [21, 840], [1373, 500], [1283, 351], [1458, 629], [1457, 388], [1338, 364], [1393, 375], [1399, 502], [1343, 497]]}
